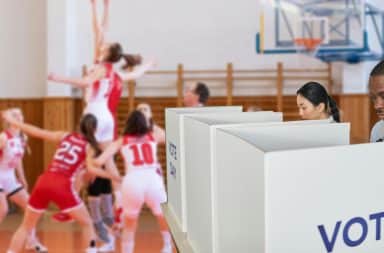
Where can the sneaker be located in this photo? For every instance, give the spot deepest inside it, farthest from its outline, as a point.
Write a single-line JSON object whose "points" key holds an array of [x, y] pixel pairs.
{"points": [[167, 249], [62, 217], [91, 250], [36, 246], [108, 247]]}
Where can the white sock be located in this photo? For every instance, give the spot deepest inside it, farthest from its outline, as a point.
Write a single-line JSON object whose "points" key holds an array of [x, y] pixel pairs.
{"points": [[167, 239], [118, 198], [127, 242]]}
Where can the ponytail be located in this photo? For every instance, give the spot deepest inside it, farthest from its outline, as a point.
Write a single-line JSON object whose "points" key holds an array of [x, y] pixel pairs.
{"points": [[333, 109], [88, 127], [115, 53], [131, 60]]}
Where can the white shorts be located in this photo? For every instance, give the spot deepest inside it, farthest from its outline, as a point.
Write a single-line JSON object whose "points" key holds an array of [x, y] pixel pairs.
{"points": [[8, 183], [142, 186], [105, 122]]}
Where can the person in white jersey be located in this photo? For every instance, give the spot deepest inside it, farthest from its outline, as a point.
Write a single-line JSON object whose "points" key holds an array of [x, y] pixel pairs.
{"points": [[142, 182], [12, 148]]}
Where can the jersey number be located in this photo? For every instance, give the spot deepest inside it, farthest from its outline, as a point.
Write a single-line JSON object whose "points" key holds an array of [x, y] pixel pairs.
{"points": [[68, 153], [142, 154]]}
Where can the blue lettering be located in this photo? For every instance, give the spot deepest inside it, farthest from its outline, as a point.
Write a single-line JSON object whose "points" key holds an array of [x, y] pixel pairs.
{"points": [[364, 226], [172, 169], [377, 217], [172, 150], [329, 245]]}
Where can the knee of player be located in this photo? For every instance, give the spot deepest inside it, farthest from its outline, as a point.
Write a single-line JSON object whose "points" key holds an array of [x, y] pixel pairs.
{"points": [[3, 211]]}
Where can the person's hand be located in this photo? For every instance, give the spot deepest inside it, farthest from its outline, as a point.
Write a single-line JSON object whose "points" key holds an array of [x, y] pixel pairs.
{"points": [[153, 62], [52, 77], [89, 177], [24, 183]]}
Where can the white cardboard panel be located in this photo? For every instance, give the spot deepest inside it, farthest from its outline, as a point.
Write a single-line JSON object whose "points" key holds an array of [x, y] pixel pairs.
{"points": [[238, 117], [175, 157], [306, 189], [238, 199], [240, 194], [199, 139], [294, 136]]}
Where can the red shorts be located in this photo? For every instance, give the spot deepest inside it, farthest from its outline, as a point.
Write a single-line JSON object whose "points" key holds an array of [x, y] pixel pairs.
{"points": [[56, 188]]}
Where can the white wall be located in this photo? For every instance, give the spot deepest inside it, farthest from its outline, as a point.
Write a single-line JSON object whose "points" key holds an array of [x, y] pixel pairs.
{"points": [[22, 48], [201, 34]]}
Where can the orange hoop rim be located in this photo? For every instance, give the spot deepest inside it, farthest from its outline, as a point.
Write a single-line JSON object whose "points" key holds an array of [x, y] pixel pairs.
{"points": [[309, 43]]}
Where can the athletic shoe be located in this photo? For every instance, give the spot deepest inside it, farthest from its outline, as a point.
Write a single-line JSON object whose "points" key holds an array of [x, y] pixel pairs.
{"points": [[91, 250], [62, 217], [36, 246], [108, 247], [167, 249]]}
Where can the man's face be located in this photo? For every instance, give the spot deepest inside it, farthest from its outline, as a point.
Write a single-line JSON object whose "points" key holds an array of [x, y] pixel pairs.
{"points": [[376, 94], [191, 99]]}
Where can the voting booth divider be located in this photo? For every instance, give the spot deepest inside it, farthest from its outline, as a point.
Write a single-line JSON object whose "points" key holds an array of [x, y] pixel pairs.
{"points": [[201, 166], [199, 149], [174, 123], [274, 187], [273, 192]]}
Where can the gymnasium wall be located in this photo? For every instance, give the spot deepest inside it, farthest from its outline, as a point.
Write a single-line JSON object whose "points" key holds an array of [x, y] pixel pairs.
{"points": [[200, 34], [39, 36], [22, 48]]}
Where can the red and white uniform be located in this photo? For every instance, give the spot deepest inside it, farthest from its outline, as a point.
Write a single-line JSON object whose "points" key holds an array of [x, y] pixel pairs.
{"points": [[56, 184], [102, 99], [10, 157], [142, 182]]}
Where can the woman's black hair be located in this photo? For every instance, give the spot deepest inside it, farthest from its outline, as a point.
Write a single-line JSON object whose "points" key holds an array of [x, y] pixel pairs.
{"points": [[136, 124], [131, 60], [316, 94], [115, 53], [88, 125]]}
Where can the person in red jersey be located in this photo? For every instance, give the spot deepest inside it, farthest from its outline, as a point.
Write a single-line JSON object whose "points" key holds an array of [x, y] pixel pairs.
{"points": [[13, 144], [102, 90], [142, 183], [56, 184]]}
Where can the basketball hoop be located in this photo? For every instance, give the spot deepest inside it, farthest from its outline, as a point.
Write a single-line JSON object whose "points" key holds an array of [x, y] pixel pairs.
{"points": [[307, 45]]}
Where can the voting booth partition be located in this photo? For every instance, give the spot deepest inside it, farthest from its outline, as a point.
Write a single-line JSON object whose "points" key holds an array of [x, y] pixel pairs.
{"points": [[201, 166], [297, 189], [174, 123], [199, 136]]}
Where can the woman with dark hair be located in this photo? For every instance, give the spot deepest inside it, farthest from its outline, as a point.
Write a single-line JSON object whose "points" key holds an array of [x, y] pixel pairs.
{"points": [[157, 131], [56, 184], [142, 182], [314, 103]]}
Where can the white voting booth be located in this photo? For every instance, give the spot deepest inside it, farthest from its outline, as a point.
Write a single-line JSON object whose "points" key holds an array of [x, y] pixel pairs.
{"points": [[297, 189], [174, 122], [199, 137], [201, 166]]}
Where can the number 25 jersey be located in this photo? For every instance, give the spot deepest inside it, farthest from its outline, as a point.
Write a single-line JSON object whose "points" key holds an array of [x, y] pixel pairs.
{"points": [[70, 155]]}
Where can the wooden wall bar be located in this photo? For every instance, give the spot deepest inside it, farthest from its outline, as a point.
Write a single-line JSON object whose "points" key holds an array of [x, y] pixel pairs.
{"points": [[59, 114], [356, 109]]}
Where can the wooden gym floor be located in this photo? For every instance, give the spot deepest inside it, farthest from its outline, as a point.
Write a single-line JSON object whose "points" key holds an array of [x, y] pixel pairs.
{"points": [[66, 237]]}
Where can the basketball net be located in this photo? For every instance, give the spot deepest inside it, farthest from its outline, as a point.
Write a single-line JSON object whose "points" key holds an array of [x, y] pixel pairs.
{"points": [[307, 46]]}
